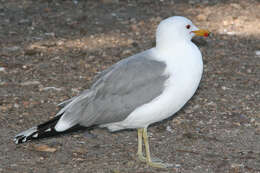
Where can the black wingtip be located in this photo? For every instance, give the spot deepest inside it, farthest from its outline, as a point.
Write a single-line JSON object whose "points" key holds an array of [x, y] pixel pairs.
{"points": [[41, 131], [44, 130]]}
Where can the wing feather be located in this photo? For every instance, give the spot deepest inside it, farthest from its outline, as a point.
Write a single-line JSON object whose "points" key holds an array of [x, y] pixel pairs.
{"points": [[118, 91]]}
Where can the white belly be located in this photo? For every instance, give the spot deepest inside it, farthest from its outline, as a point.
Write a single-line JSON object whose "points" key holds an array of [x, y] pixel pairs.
{"points": [[177, 92], [172, 100], [185, 76]]}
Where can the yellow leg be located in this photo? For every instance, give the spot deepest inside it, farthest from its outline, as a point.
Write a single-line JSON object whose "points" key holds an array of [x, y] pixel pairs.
{"points": [[140, 145], [149, 160]]}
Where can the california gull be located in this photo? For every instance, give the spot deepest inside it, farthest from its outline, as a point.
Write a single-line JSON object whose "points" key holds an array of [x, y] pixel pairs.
{"points": [[137, 91]]}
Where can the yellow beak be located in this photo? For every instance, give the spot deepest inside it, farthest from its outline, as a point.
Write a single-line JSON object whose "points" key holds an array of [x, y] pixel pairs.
{"points": [[201, 32]]}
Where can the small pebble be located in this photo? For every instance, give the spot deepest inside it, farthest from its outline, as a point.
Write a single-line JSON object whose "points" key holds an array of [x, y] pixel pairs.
{"points": [[51, 88], [177, 165], [235, 165], [59, 43], [110, 1], [75, 2], [2, 69], [252, 120], [224, 88], [248, 125], [257, 53], [24, 21], [14, 48], [169, 129], [30, 83], [90, 135], [202, 17], [50, 34]]}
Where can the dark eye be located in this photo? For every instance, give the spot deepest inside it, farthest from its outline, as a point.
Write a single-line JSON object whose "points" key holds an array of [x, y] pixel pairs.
{"points": [[188, 26]]}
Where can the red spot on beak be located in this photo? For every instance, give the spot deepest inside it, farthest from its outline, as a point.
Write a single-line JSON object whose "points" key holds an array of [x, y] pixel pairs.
{"points": [[201, 32]]}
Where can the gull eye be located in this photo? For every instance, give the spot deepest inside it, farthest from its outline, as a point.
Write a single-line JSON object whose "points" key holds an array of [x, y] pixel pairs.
{"points": [[188, 26]]}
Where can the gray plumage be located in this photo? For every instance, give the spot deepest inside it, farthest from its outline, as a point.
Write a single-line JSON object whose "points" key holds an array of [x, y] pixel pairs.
{"points": [[116, 92]]}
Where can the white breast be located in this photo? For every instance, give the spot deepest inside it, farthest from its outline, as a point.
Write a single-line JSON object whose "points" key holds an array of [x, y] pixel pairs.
{"points": [[185, 71]]}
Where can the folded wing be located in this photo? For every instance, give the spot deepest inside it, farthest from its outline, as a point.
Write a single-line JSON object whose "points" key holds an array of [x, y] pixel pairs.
{"points": [[116, 92]]}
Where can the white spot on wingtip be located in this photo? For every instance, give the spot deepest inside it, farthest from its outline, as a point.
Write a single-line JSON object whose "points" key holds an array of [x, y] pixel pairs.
{"points": [[24, 140], [16, 141], [48, 130], [35, 135]]}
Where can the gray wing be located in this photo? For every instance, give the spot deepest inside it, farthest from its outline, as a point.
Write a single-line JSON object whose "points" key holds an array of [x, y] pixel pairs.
{"points": [[117, 91]]}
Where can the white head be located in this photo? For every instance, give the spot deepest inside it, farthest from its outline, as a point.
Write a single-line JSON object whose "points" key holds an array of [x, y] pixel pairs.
{"points": [[176, 29]]}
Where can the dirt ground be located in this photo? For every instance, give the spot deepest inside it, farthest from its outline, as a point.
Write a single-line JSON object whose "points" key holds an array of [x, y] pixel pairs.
{"points": [[51, 50]]}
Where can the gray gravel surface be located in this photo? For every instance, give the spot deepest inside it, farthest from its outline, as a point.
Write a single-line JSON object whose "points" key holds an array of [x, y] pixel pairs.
{"points": [[51, 50]]}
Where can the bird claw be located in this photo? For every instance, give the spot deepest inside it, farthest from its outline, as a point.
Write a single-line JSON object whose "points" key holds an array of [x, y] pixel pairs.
{"points": [[159, 164], [155, 162], [141, 157]]}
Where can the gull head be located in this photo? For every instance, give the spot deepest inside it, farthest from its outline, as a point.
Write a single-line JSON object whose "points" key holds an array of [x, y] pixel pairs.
{"points": [[175, 30]]}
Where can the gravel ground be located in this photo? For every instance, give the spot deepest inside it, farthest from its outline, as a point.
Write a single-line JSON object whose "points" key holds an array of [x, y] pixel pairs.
{"points": [[51, 50]]}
